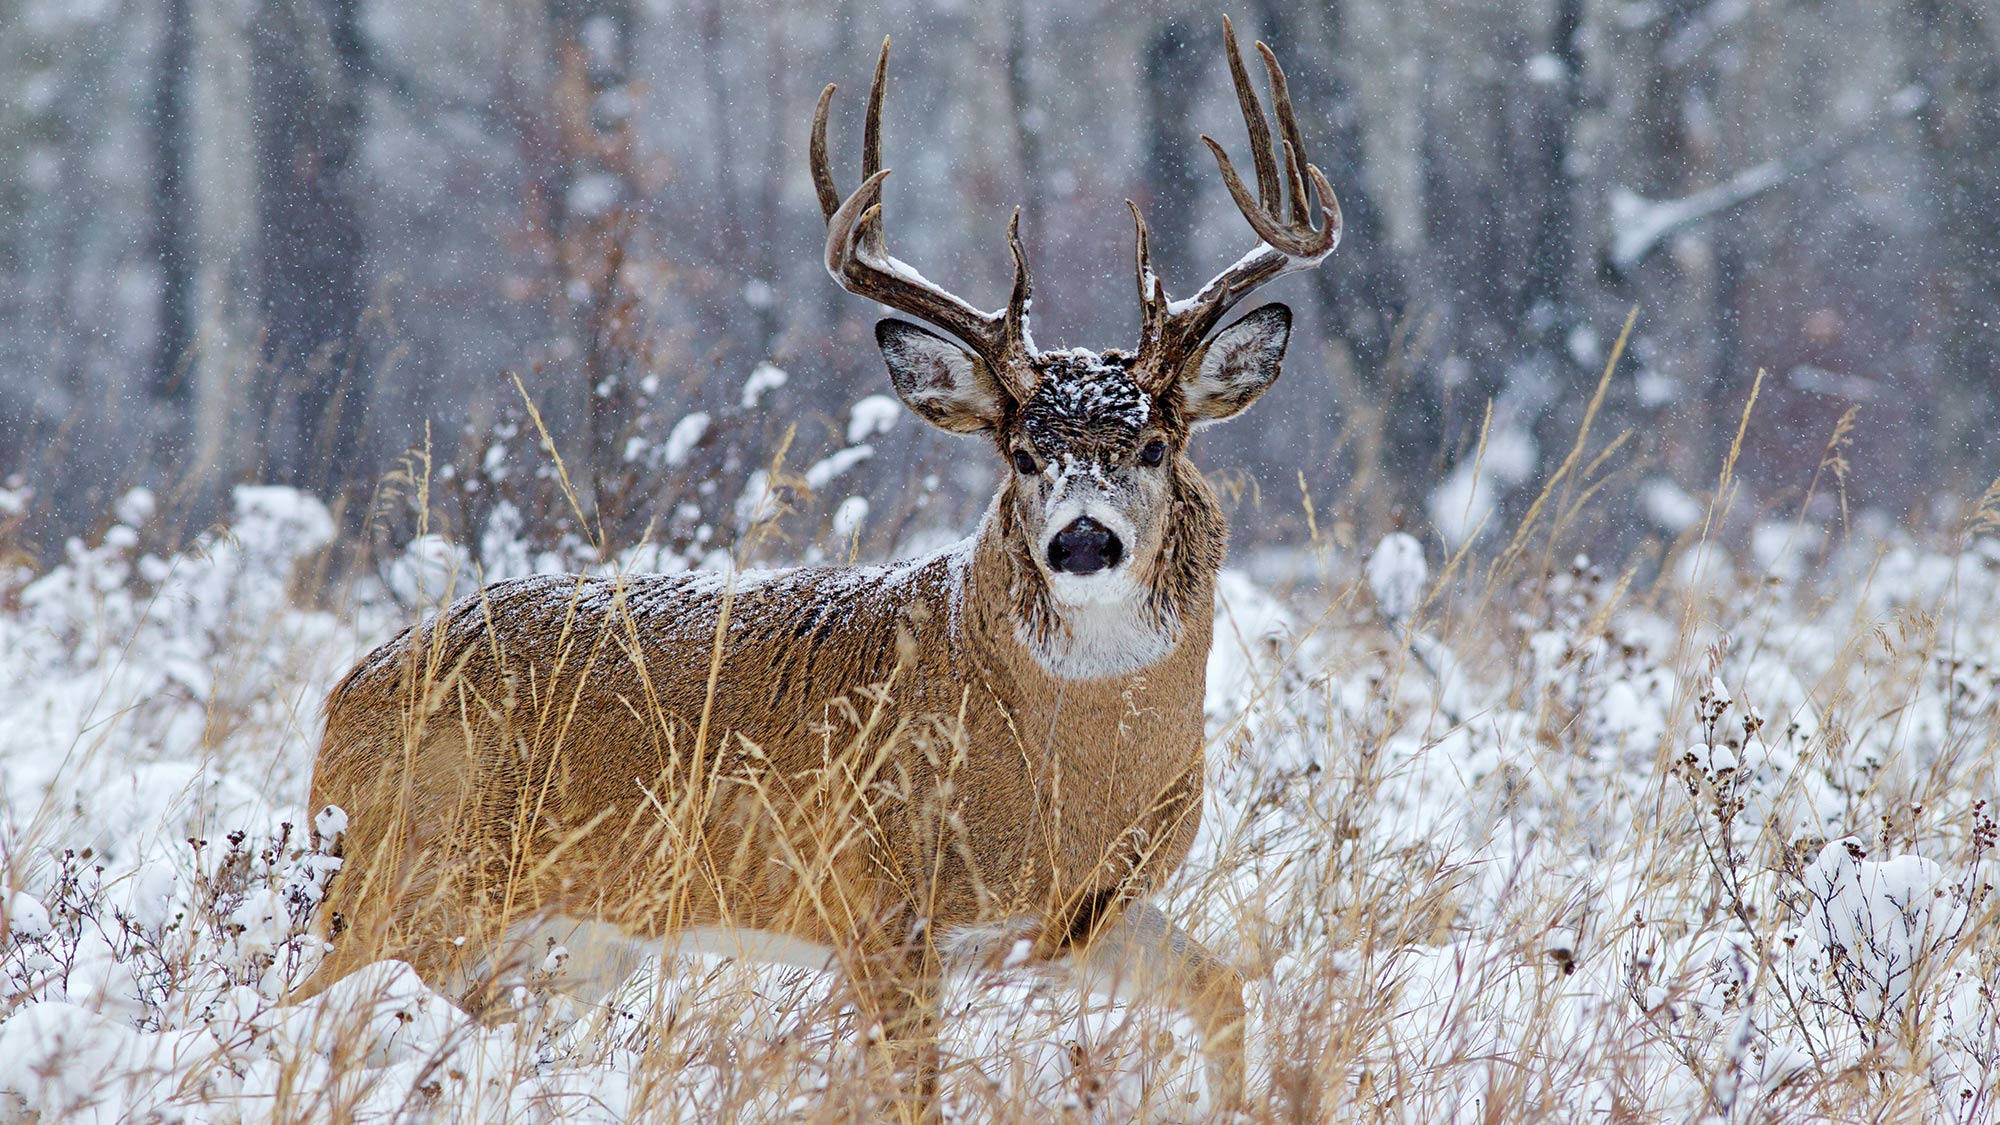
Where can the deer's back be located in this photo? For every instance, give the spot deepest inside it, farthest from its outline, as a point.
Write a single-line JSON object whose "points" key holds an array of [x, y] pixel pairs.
{"points": [[607, 718]]}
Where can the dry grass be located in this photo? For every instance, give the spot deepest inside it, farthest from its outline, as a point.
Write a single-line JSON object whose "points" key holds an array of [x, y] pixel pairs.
{"points": [[1562, 842]]}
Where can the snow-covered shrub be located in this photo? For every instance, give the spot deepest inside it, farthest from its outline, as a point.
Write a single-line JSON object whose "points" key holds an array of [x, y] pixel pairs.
{"points": [[688, 487], [1874, 936]]}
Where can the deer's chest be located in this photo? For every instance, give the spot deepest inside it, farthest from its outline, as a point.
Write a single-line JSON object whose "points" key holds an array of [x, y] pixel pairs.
{"points": [[1084, 788]]}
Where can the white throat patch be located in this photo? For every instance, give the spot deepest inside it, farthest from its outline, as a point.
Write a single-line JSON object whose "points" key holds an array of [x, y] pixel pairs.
{"points": [[1103, 636]]}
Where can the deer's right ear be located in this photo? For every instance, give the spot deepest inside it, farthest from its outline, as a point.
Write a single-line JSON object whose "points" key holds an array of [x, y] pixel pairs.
{"points": [[937, 379]]}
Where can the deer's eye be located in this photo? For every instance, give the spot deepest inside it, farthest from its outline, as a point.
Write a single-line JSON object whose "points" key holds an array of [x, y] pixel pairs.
{"points": [[1024, 461], [1154, 452]]}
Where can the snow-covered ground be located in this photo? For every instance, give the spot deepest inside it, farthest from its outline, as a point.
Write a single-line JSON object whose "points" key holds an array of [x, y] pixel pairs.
{"points": [[1562, 843]]}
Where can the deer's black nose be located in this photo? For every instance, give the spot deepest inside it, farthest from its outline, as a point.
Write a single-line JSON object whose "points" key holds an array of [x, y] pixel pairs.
{"points": [[1084, 547]]}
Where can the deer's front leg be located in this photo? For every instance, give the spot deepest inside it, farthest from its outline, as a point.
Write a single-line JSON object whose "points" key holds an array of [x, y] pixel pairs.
{"points": [[1143, 956], [896, 1007]]}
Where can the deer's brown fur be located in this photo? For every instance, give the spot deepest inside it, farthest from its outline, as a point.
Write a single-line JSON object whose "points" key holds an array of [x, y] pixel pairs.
{"points": [[558, 714]]}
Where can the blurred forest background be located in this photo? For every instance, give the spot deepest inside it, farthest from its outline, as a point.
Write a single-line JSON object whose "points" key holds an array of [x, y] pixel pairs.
{"points": [[294, 240]]}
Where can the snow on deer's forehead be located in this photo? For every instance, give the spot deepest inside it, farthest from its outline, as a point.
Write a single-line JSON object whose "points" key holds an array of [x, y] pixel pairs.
{"points": [[1084, 399]]}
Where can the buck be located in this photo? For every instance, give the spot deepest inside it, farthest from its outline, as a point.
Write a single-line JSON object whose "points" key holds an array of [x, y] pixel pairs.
{"points": [[990, 755]]}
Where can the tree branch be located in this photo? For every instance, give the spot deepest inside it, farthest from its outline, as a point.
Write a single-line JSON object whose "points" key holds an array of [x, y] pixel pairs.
{"points": [[1639, 225]]}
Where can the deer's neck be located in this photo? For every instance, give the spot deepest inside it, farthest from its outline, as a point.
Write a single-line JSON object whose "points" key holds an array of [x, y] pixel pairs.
{"points": [[1153, 615]]}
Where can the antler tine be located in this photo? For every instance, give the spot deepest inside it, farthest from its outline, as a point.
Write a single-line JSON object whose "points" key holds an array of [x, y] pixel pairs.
{"points": [[1288, 127], [871, 135], [857, 256], [822, 169], [1152, 295], [1253, 119], [1023, 290], [1015, 341], [1288, 238], [1143, 255], [871, 141], [1297, 238]]}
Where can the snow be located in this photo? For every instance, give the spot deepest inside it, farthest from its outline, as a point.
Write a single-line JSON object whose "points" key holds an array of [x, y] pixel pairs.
{"points": [[764, 378], [1585, 348], [1670, 508], [430, 570], [330, 822], [1464, 505], [594, 194], [1545, 69], [1869, 927], [25, 917], [849, 516], [73, 1065], [686, 434], [1397, 574], [1818, 380], [835, 465], [136, 507], [1577, 828], [272, 521], [758, 502], [870, 416]]}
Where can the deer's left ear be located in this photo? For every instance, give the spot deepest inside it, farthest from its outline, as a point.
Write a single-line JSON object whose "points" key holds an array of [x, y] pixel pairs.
{"points": [[1239, 364]]}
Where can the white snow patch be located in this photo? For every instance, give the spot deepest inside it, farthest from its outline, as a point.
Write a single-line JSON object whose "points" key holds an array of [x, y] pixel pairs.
{"points": [[849, 516], [835, 465], [1397, 575], [875, 414], [1670, 508], [686, 434], [763, 379]]}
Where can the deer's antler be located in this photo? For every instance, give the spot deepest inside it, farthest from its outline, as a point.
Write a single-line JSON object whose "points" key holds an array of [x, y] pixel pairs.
{"points": [[1172, 330], [859, 260]]}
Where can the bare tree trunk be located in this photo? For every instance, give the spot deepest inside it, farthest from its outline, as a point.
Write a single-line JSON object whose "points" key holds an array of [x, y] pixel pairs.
{"points": [[1955, 60], [1663, 154], [591, 47], [1546, 302], [1171, 74], [173, 234], [723, 223], [1365, 298], [766, 268], [591, 206], [1027, 124], [1367, 293], [1545, 307], [307, 63], [222, 174], [1667, 162]]}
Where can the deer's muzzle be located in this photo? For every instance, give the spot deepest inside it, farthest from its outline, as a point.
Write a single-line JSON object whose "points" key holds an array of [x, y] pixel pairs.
{"points": [[1084, 547]]}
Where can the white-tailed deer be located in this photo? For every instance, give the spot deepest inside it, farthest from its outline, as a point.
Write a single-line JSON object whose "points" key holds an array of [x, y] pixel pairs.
{"points": [[992, 753]]}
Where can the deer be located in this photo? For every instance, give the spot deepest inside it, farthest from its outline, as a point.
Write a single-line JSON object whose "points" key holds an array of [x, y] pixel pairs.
{"points": [[992, 755]]}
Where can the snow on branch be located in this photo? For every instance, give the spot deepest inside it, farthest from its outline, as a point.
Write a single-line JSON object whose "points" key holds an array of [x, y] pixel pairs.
{"points": [[1640, 225]]}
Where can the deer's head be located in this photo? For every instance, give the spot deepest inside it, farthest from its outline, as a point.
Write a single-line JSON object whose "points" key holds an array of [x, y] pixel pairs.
{"points": [[1094, 441]]}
